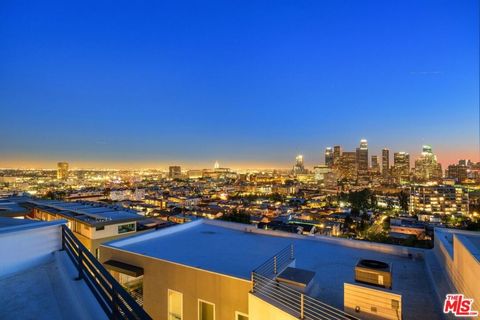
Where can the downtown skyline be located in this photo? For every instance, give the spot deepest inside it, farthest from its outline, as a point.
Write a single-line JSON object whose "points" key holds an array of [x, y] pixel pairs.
{"points": [[310, 161], [161, 84]]}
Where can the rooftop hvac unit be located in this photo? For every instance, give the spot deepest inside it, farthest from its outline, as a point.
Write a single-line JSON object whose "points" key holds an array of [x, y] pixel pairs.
{"points": [[376, 273]]}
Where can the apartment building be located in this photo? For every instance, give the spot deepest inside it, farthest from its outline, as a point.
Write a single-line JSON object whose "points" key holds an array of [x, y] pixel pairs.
{"points": [[440, 199], [92, 223], [209, 269]]}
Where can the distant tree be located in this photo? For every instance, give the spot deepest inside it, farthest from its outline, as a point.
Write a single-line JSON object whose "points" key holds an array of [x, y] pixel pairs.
{"points": [[347, 222], [362, 200], [50, 195], [234, 216], [403, 199], [389, 204]]}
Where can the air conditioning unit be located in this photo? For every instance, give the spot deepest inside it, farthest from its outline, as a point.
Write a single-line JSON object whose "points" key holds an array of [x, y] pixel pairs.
{"points": [[373, 272]]}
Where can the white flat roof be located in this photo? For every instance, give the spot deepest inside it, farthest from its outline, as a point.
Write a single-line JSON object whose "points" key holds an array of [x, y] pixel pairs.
{"points": [[227, 249]]}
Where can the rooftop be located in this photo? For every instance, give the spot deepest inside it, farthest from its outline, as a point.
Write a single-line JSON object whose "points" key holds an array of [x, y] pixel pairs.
{"points": [[236, 250], [48, 291], [10, 207], [92, 213], [37, 280]]}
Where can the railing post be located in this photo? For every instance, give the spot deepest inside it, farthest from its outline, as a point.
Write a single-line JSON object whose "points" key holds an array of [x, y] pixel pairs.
{"points": [[275, 264], [115, 312], [253, 282], [302, 301], [79, 262], [63, 238]]}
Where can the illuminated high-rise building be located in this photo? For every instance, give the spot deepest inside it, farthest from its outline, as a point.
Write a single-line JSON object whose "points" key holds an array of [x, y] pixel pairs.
{"points": [[216, 165], [401, 166], [174, 172], [362, 158], [337, 153], [439, 199], [329, 156], [62, 170], [426, 167], [462, 171], [375, 165], [385, 162], [299, 166], [347, 166]]}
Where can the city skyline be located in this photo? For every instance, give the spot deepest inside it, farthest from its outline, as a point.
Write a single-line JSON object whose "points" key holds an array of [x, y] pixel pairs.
{"points": [[309, 161], [140, 88]]}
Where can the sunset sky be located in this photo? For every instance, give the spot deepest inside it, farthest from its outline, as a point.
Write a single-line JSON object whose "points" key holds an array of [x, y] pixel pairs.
{"points": [[248, 83]]}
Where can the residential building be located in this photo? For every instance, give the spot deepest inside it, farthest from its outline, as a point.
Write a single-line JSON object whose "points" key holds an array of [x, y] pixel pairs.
{"points": [[235, 271], [174, 172], [439, 199], [62, 170], [92, 223]]}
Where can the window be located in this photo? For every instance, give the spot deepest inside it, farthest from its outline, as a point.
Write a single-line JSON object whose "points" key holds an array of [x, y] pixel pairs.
{"points": [[126, 228], [175, 305], [240, 316], [206, 310], [100, 228], [133, 285]]}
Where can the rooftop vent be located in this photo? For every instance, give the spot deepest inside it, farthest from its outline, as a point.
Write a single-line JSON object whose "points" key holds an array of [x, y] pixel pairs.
{"points": [[373, 272]]}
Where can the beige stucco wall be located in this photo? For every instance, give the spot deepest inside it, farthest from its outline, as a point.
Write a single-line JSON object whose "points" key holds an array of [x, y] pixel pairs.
{"points": [[374, 304], [229, 294], [261, 310]]}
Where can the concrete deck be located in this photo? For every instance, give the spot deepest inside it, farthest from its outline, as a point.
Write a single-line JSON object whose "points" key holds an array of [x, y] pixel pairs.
{"points": [[48, 291]]}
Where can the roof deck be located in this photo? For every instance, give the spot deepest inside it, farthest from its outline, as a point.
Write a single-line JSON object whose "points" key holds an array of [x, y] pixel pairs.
{"points": [[91, 213], [48, 291], [236, 250]]}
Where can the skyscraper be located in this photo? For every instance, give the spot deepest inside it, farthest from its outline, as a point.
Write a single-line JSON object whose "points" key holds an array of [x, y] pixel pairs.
{"points": [[299, 167], [362, 158], [426, 167], [337, 153], [62, 170], [329, 156], [375, 165], [174, 171], [347, 166], [385, 162], [401, 166]]}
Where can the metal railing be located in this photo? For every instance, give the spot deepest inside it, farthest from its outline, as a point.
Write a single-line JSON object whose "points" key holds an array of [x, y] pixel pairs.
{"points": [[277, 263], [112, 297], [294, 302]]}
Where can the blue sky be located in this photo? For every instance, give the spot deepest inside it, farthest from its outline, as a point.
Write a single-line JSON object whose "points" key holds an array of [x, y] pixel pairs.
{"points": [[250, 83]]}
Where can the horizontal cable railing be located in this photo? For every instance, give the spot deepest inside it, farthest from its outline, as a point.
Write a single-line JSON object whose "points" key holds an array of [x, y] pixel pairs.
{"points": [[294, 302], [277, 263], [112, 297]]}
